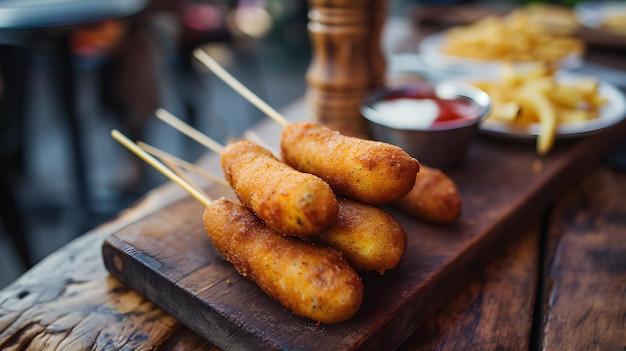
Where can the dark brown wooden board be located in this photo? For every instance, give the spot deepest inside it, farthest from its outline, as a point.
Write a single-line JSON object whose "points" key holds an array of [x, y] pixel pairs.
{"points": [[169, 259], [585, 305], [494, 311]]}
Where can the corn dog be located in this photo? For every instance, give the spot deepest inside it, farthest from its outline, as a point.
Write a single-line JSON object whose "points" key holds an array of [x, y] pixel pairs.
{"points": [[369, 238], [310, 280], [434, 198], [366, 170], [370, 171], [288, 201]]}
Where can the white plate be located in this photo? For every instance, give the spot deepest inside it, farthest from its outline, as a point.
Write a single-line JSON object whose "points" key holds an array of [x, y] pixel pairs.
{"points": [[591, 15], [430, 50], [611, 113]]}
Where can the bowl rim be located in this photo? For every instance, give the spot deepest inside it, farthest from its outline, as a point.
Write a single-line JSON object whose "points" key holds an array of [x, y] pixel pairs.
{"points": [[445, 89]]}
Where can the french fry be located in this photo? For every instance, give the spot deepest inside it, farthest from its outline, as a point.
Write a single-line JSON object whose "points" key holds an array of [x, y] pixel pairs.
{"points": [[506, 111], [570, 115], [515, 37], [544, 111], [533, 95]]}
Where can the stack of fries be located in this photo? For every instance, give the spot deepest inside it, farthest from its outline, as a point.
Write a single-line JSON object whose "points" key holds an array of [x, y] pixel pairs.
{"points": [[517, 37], [525, 96], [615, 23]]}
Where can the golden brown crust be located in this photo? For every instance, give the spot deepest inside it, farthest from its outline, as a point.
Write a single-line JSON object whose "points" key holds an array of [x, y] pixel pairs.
{"points": [[434, 198], [290, 202], [310, 280], [369, 171], [369, 238]]}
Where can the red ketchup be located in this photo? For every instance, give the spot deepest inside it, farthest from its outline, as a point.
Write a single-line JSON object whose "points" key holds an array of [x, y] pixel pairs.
{"points": [[420, 108]]}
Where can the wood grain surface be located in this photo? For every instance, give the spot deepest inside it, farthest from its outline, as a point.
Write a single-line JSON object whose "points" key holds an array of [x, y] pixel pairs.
{"points": [[168, 258], [586, 299], [69, 301], [493, 312]]}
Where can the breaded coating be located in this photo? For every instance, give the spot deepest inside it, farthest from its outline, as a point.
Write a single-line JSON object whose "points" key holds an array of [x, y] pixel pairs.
{"points": [[434, 198], [369, 171], [290, 202], [369, 237], [312, 281]]}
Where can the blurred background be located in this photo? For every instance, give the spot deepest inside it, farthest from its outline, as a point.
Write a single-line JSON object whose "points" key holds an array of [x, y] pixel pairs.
{"points": [[72, 71], [110, 71]]}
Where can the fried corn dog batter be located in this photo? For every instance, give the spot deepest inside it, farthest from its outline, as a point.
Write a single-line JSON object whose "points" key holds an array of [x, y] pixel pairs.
{"points": [[369, 238], [434, 198], [370, 171], [310, 280], [290, 202]]}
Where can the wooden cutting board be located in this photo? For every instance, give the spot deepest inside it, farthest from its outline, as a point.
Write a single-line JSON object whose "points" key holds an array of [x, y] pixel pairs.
{"points": [[169, 259]]}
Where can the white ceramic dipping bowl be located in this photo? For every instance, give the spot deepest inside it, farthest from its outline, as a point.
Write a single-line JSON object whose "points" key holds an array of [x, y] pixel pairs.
{"points": [[433, 122]]}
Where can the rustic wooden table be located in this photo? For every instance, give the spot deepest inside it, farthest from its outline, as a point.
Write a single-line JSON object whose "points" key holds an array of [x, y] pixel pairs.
{"points": [[558, 284]]}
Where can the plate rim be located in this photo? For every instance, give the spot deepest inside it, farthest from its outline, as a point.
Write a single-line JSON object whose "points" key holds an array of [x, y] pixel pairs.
{"points": [[614, 112], [591, 13]]}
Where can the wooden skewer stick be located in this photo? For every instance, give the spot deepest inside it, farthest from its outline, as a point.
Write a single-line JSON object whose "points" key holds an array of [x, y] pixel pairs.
{"points": [[188, 130], [165, 156], [219, 71], [255, 138], [183, 164], [183, 175], [194, 133], [198, 136], [122, 139]]}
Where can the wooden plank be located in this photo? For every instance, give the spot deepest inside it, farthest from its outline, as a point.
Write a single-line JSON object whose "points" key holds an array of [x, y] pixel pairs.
{"points": [[503, 186], [68, 301], [69, 298], [494, 312], [586, 298]]}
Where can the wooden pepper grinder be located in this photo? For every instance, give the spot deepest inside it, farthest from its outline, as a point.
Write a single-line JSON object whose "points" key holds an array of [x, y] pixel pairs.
{"points": [[377, 63], [347, 61]]}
